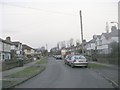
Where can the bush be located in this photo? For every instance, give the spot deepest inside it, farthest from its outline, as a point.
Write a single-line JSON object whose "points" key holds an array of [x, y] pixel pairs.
{"points": [[108, 58], [111, 58], [8, 64]]}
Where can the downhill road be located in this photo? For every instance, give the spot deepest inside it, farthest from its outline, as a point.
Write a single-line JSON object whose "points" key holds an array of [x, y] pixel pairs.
{"points": [[59, 75]]}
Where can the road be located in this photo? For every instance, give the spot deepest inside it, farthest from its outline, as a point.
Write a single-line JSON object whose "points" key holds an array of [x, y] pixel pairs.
{"points": [[59, 75]]}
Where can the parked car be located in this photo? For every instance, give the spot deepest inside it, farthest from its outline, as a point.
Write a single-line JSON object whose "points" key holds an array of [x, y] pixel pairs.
{"points": [[76, 60], [58, 57], [67, 59]]}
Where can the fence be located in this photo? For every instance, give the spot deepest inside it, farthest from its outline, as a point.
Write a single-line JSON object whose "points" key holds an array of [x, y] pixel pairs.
{"points": [[111, 58], [8, 64]]}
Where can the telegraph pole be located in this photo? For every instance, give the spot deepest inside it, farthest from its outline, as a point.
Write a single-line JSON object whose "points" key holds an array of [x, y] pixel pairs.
{"points": [[81, 31], [46, 47]]}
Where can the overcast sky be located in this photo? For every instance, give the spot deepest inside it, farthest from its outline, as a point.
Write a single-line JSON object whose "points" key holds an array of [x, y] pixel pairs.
{"points": [[41, 22]]}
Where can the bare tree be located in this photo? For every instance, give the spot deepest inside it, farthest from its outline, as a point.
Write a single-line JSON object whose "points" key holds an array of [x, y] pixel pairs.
{"points": [[63, 44], [58, 45], [77, 42], [71, 41]]}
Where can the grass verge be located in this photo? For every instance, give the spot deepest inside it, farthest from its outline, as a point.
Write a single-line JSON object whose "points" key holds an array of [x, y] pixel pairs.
{"points": [[95, 66], [42, 61], [22, 76]]}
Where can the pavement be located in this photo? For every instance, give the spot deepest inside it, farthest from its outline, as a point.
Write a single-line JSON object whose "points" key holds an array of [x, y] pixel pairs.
{"points": [[110, 72], [13, 70], [17, 69]]}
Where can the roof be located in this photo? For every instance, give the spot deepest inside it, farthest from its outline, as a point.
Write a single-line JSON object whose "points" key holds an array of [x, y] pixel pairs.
{"points": [[113, 33], [99, 36], [1, 39], [94, 39], [24, 46], [5, 41], [16, 43], [107, 35]]}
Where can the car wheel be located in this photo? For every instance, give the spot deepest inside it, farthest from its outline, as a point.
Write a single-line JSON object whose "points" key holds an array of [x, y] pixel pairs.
{"points": [[86, 66], [72, 65]]}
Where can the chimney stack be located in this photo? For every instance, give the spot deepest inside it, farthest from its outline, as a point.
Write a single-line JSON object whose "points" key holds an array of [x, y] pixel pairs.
{"points": [[113, 28], [107, 27], [8, 39]]}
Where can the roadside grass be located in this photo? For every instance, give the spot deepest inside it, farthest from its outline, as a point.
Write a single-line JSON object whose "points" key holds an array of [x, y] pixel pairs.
{"points": [[22, 76], [0, 84], [0, 69], [42, 61], [17, 78], [26, 72], [8, 83], [0, 66], [95, 66]]}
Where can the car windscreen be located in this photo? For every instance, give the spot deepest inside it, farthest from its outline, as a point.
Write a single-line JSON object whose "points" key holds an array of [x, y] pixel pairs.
{"points": [[79, 57], [68, 57]]}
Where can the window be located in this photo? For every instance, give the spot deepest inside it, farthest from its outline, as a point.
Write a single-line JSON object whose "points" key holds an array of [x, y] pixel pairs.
{"points": [[0, 57], [3, 57], [100, 42]]}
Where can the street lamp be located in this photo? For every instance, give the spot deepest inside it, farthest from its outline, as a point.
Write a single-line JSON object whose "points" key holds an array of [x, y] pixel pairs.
{"points": [[116, 23]]}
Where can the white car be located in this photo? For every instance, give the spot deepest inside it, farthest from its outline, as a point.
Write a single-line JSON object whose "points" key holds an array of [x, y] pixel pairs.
{"points": [[78, 60], [67, 59], [58, 57]]}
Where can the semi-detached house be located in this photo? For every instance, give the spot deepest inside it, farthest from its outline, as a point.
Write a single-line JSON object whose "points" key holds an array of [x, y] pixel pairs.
{"points": [[28, 51], [16, 48], [103, 43], [5, 49], [91, 45]]}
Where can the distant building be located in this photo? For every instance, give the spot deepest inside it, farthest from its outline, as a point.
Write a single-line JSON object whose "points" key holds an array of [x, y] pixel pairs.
{"points": [[42, 48], [37, 53], [63, 52]]}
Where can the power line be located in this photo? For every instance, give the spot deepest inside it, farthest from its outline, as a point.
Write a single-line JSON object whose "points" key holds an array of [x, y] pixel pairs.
{"points": [[38, 9]]}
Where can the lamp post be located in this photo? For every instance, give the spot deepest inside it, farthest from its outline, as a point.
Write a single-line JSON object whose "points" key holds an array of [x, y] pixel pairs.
{"points": [[116, 23]]}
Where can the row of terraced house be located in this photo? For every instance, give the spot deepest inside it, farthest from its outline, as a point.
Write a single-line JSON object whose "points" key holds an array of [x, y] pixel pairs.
{"points": [[9, 50]]}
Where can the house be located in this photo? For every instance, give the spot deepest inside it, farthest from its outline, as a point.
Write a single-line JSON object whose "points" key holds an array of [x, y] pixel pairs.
{"points": [[103, 42], [37, 53], [63, 52], [28, 51], [5, 49], [17, 49], [114, 35], [91, 45]]}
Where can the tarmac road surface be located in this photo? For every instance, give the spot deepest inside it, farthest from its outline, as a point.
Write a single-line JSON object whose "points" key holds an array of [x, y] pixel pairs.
{"points": [[59, 75]]}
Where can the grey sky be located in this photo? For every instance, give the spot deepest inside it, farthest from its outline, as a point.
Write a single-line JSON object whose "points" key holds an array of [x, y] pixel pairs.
{"points": [[41, 22]]}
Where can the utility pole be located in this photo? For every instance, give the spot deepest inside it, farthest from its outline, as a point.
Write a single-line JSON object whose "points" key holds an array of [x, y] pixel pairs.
{"points": [[81, 31], [46, 47]]}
